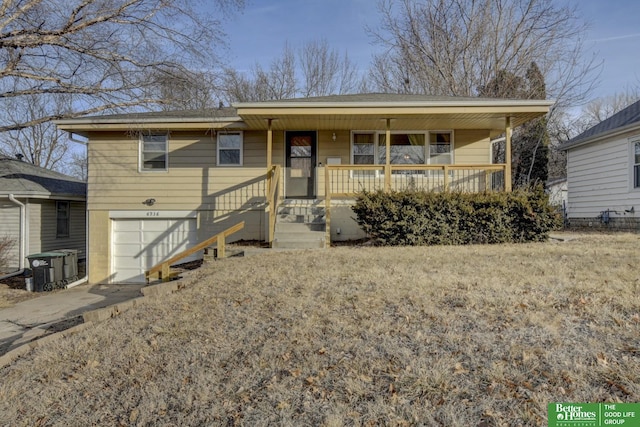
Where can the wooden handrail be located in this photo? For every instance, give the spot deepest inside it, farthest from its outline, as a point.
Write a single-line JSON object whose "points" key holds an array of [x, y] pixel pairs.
{"points": [[163, 267]]}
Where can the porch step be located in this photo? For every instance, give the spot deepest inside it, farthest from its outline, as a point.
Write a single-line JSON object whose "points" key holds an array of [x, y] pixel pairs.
{"points": [[302, 219], [300, 224], [299, 239]]}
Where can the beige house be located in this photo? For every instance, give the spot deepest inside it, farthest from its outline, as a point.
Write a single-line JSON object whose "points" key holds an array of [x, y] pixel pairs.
{"points": [[161, 182], [40, 210]]}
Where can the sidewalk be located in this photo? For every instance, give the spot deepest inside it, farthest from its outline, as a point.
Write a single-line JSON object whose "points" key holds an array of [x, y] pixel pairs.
{"points": [[53, 312]]}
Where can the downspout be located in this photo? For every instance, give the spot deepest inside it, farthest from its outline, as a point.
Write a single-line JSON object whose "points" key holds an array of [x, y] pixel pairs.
{"points": [[23, 236], [86, 253], [86, 231]]}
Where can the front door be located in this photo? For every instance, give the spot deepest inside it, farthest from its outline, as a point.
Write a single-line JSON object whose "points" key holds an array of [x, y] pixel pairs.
{"points": [[300, 171]]}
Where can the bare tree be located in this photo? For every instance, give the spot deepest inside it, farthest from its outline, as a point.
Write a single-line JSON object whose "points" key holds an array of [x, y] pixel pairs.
{"points": [[276, 82], [602, 108], [100, 52], [324, 72], [77, 166], [41, 144], [190, 90], [457, 47]]}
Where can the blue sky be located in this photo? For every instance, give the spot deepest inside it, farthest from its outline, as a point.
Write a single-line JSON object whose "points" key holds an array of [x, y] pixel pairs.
{"points": [[259, 34]]}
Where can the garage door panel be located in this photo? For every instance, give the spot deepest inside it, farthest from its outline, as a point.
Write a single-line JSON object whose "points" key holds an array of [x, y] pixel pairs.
{"points": [[126, 225], [139, 244], [128, 263], [126, 237]]}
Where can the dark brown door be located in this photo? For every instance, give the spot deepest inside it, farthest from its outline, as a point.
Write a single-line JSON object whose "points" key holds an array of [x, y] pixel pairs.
{"points": [[300, 165]]}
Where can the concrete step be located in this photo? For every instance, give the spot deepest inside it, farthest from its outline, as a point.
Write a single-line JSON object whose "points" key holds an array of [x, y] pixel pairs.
{"points": [[300, 227], [301, 210], [302, 219], [300, 224], [311, 240]]}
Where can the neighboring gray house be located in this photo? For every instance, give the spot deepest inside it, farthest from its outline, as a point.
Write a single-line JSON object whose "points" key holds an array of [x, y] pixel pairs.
{"points": [[603, 173], [41, 210]]}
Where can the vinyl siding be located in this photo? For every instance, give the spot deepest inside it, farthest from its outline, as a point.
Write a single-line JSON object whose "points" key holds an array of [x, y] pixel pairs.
{"points": [[193, 181], [43, 224], [599, 178], [10, 227], [472, 147]]}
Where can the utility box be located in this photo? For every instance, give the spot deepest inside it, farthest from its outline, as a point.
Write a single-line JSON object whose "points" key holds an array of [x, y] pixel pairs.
{"points": [[48, 270], [70, 273]]}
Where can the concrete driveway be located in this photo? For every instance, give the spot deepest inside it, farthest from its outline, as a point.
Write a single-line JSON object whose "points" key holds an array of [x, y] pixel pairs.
{"points": [[56, 311]]}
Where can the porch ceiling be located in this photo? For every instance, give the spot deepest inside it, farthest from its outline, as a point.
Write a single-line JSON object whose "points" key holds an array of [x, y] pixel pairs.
{"points": [[359, 121]]}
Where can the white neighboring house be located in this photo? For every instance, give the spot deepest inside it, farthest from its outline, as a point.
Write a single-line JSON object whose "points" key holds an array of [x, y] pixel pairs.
{"points": [[40, 210], [603, 173], [557, 191]]}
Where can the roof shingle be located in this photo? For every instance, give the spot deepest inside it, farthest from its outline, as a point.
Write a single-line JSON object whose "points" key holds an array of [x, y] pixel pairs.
{"points": [[621, 119], [23, 178]]}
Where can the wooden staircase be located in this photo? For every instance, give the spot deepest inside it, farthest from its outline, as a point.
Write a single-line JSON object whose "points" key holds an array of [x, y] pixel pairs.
{"points": [[165, 273], [300, 224]]}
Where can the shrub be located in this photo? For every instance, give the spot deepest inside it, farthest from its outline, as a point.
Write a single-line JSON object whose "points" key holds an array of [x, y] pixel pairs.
{"points": [[6, 245], [452, 218]]}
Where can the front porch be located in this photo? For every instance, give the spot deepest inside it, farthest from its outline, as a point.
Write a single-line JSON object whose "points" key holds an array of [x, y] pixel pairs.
{"points": [[294, 221], [334, 147]]}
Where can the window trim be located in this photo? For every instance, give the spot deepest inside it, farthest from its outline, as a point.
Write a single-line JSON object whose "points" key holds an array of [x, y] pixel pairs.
{"points": [[240, 149], [427, 146], [633, 166], [451, 149], [141, 153], [67, 220]]}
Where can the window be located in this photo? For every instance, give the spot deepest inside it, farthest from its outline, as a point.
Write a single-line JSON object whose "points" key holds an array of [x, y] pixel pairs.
{"points": [[363, 149], [62, 219], [406, 149], [636, 164], [230, 149], [154, 152], [440, 148]]}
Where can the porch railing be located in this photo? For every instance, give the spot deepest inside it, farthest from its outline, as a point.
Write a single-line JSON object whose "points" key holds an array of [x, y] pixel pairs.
{"points": [[347, 180], [274, 192]]}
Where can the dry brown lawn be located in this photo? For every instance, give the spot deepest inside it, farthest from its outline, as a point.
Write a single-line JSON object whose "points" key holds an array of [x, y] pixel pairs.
{"points": [[12, 291], [435, 336]]}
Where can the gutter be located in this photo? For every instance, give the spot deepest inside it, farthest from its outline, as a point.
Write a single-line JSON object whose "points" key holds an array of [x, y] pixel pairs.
{"points": [[23, 238], [394, 104]]}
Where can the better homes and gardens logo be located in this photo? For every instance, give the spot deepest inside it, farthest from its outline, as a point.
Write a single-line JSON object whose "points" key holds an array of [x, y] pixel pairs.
{"points": [[593, 414]]}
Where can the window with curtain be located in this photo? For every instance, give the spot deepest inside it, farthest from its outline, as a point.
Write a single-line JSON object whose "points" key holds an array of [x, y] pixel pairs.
{"points": [[406, 149]]}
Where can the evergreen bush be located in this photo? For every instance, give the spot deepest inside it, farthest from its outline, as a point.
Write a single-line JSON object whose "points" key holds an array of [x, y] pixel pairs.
{"points": [[414, 218]]}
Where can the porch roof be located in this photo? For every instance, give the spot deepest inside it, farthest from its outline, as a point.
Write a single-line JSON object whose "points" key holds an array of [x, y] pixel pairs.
{"points": [[407, 112], [336, 112]]}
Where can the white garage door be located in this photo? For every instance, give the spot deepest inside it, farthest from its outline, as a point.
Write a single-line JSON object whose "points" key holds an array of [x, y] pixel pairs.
{"points": [[139, 244]]}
